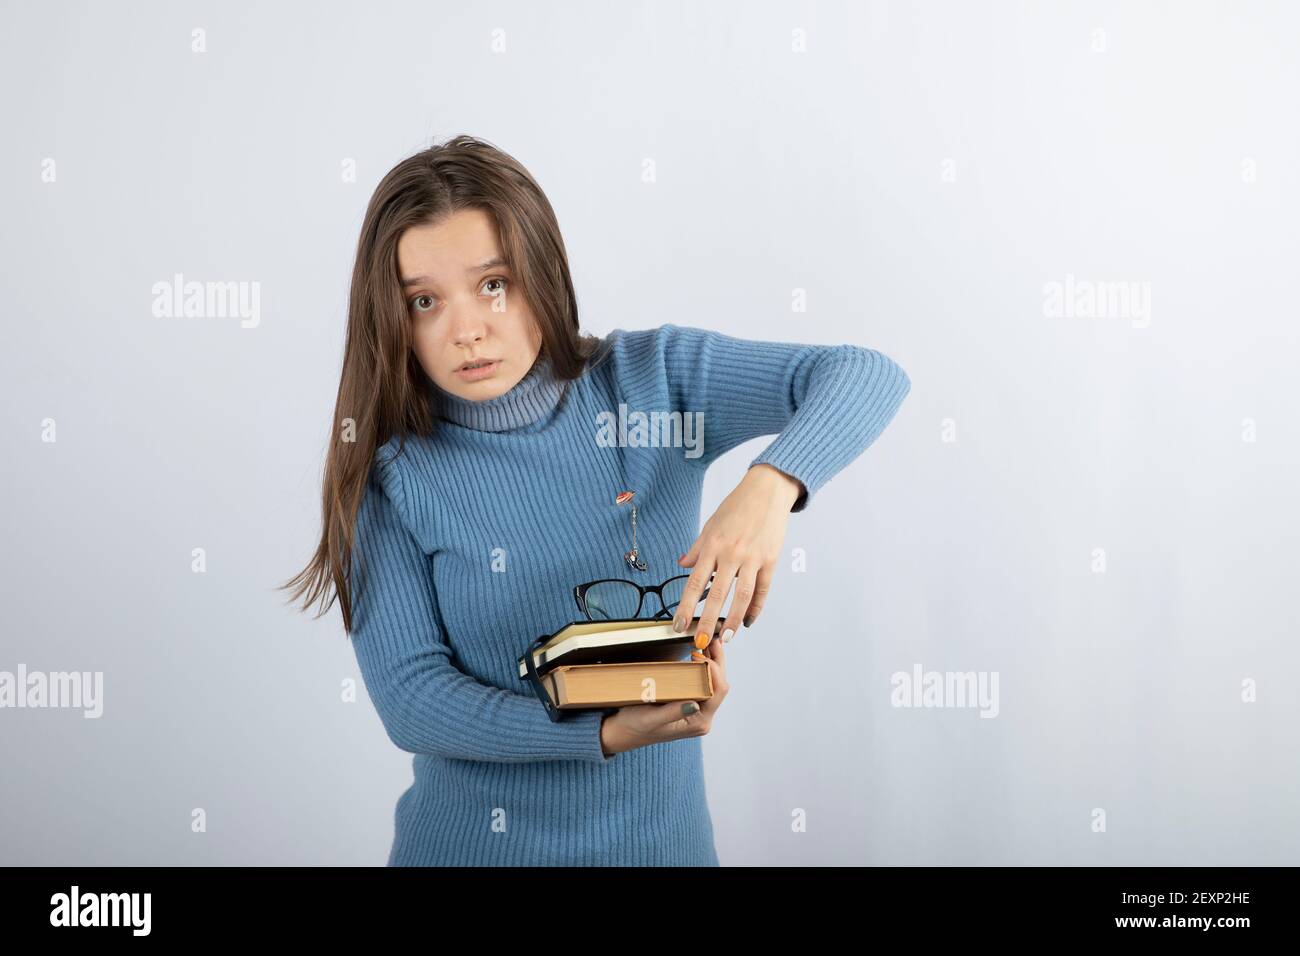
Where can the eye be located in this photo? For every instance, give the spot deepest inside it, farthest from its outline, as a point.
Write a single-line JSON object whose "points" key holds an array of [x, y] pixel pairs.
{"points": [[415, 303], [497, 291]]}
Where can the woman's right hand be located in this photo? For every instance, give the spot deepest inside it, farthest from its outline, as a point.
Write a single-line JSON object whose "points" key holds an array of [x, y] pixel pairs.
{"points": [[639, 725]]}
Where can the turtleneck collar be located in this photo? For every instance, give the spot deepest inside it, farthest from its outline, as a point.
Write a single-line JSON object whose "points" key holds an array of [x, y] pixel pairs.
{"points": [[528, 401]]}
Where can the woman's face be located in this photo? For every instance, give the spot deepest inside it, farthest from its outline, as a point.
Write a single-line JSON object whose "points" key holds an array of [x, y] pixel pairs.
{"points": [[464, 307]]}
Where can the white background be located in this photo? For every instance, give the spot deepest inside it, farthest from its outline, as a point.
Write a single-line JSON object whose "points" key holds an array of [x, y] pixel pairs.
{"points": [[1124, 155]]}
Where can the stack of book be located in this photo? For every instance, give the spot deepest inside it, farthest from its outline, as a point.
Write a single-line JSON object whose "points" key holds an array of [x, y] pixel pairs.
{"points": [[606, 664]]}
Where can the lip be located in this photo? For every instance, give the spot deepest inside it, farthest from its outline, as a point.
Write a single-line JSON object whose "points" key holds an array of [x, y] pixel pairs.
{"points": [[474, 374]]}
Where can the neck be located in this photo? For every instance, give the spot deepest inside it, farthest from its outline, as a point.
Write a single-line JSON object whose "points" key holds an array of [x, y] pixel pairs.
{"points": [[528, 401]]}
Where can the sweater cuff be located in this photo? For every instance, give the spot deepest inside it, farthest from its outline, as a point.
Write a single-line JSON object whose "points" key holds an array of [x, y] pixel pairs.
{"points": [[585, 726], [830, 430], [578, 733]]}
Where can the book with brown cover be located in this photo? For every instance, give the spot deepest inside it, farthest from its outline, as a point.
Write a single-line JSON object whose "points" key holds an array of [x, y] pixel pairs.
{"points": [[607, 664], [615, 685]]}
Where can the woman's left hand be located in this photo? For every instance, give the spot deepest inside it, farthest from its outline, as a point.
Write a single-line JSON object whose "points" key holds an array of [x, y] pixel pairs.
{"points": [[742, 541]]}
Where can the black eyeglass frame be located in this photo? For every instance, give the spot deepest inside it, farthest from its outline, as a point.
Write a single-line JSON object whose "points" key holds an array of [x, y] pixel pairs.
{"points": [[580, 595]]}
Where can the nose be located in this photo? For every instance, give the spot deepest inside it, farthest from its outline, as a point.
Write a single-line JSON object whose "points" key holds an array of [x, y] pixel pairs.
{"points": [[467, 328]]}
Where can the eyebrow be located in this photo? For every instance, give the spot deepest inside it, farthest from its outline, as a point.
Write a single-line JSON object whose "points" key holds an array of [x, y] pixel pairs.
{"points": [[481, 267]]}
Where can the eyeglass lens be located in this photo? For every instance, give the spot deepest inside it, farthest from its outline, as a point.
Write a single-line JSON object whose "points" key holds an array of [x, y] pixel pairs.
{"points": [[614, 600]]}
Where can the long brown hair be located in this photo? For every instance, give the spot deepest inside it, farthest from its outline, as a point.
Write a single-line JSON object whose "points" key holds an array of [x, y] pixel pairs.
{"points": [[382, 388]]}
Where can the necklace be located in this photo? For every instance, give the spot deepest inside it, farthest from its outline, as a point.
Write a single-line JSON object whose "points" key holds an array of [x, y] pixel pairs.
{"points": [[633, 557]]}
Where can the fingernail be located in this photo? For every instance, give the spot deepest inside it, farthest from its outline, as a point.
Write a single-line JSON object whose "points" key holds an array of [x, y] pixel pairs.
{"points": [[697, 656], [726, 635], [702, 640], [689, 708], [748, 621], [679, 624]]}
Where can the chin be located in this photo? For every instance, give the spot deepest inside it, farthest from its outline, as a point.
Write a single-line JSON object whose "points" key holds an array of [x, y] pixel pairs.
{"points": [[481, 391]]}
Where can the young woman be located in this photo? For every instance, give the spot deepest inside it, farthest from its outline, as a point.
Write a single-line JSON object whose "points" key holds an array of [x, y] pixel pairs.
{"points": [[474, 481]]}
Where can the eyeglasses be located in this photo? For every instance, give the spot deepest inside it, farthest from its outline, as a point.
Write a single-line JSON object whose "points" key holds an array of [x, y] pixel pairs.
{"points": [[611, 599]]}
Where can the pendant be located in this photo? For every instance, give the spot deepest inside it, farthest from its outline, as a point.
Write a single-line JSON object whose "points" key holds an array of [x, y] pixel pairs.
{"points": [[634, 561], [633, 557]]}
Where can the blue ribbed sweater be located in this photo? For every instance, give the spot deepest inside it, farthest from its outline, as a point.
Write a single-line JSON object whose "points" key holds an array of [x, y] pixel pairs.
{"points": [[468, 545]]}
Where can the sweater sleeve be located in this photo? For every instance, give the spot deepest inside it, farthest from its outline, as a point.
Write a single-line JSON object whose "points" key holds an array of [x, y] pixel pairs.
{"points": [[825, 403], [427, 704]]}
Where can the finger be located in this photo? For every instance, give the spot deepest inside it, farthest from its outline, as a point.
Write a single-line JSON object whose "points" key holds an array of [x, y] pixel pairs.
{"points": [[718, 590], [709, 653], [657, 717], [740, 601], [716, 652], [695, 585], [688, 559], [762, 585], [718, 678]]}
